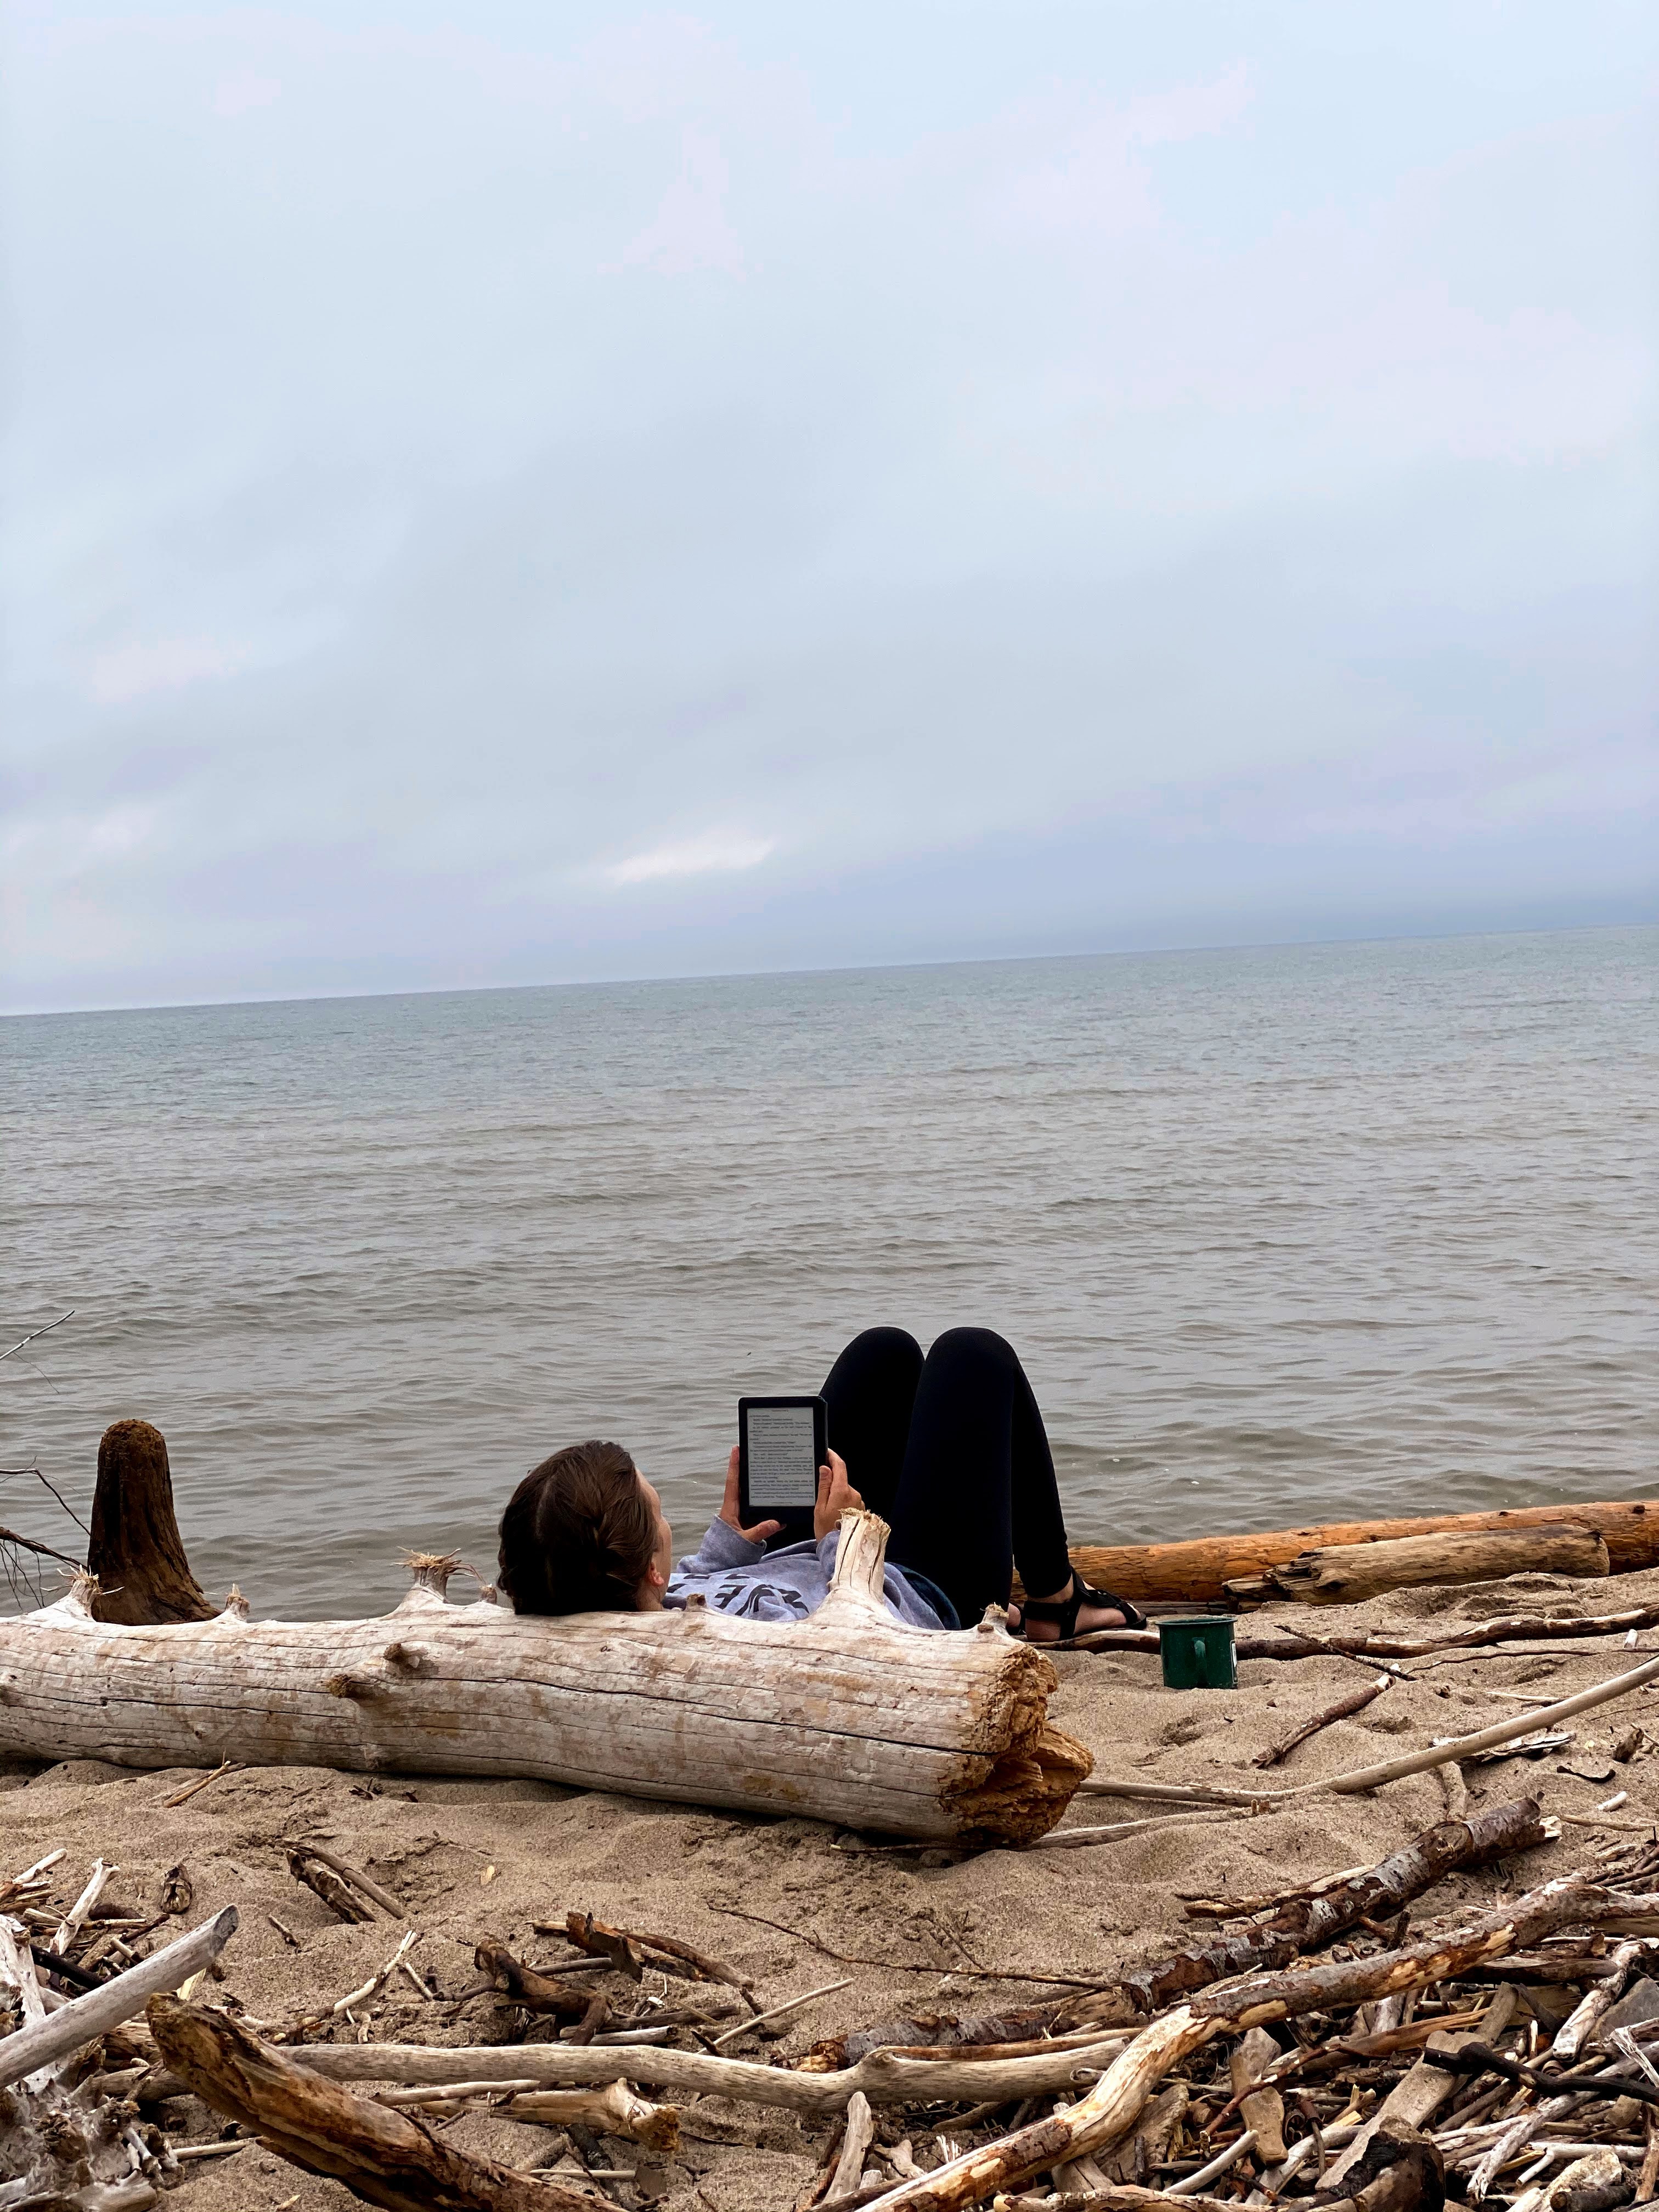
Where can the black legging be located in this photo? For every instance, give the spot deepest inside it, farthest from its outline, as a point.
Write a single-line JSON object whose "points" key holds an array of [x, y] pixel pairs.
{"points": [[951, 1451]]}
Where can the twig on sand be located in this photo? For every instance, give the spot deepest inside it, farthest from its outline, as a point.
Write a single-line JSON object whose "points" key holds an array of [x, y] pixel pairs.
{"points": [[191, 1789], [1343, 1709], [356, 1877], [779, 2011], [1117, 1832]]}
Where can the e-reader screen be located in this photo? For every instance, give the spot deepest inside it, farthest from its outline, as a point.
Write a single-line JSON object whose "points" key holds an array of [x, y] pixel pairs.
{"points": [[782, 1441]]}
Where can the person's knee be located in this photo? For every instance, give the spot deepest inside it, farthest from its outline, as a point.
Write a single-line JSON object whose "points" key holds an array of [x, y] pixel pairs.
{"points": [[980, 1348], [885, 1344], [879, 1357]]}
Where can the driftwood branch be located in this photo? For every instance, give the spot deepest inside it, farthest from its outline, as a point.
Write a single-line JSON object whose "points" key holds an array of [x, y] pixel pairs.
{"points": [[1343, 1709], [1347, 1574], [883, 2076], [45, 2041], [43, 1551], [1503, 1628], [1304, 1923], [385, 2157], [1195, 1572]]}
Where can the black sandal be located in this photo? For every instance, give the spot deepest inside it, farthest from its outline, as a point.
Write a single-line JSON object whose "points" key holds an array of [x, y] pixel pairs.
{"points": [[1064, 1611]]}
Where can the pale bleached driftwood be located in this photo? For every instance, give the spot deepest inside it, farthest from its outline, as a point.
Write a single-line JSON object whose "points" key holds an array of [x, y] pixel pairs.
{"points": [[849, 1716], [44, 2041], [1464, 1747], [62, 2142], [882, 2076], [1586, 2017]]}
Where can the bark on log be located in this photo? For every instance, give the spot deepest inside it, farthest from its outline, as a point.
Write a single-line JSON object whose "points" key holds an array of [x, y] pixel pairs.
{"points": [[1304, 1923], [385, 2157], [848, 1715], [134, 1550], [1347, 1574], [1196, 1572]]}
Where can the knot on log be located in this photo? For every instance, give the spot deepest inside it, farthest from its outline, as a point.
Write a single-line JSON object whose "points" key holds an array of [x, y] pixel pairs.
{"points": [[408, 1658], [358, 1687], [236, 1605]]}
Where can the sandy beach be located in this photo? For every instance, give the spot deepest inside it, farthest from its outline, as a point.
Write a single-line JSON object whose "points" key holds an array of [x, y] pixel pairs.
{"points": [[926, 1931]]}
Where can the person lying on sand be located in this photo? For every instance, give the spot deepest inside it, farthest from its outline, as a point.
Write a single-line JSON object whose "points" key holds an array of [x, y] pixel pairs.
{"points": [[949, 1450]]}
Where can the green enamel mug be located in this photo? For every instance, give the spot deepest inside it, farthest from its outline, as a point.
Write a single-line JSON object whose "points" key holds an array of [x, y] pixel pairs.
{"points": [[1198, 1653]]}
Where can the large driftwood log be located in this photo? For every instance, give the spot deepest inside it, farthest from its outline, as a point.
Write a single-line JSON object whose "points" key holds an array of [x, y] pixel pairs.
{"points": [[135, 1552], [1197, 1570], [1347, 1574], [848, 1715], [385, 2157]]}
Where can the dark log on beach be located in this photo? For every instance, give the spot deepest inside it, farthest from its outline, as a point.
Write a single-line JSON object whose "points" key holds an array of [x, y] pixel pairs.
{"points": [[1196, 1572], [134, 1549], [385, 2157]]}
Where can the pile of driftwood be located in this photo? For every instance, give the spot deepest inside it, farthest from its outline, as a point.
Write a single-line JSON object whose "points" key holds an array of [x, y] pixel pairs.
{"points": [[1307, 2045]]}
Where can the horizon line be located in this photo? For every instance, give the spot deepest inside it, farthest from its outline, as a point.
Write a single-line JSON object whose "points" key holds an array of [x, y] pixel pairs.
{"points": [[826, 967]]}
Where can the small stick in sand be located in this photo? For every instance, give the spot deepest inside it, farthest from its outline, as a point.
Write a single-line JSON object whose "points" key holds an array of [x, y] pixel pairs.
{"points": [[1343, 1709], [326, 1883], [74, 1919], [191, 1789], [356, 1877], [778, 2012]]}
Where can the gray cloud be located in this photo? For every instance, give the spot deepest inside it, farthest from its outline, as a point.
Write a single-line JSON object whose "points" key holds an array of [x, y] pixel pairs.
{"points": [[500, 501]]}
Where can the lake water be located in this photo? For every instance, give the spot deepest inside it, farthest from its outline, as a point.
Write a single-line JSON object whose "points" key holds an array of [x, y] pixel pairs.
{"points": [[1302, 1232]]}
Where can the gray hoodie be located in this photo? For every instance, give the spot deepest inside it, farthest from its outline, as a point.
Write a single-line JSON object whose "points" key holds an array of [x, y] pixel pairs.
{"points": [[736, 1576]]}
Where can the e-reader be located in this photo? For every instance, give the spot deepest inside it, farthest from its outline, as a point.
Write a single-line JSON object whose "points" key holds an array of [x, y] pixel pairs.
{"points": [[781, 1444]]}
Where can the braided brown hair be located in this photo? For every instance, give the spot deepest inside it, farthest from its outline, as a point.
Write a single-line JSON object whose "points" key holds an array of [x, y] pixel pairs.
{"points": [[579, 1534]]}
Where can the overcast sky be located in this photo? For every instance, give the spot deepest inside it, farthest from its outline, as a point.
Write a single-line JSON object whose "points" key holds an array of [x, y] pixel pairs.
{"points": [[522, 491]]}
